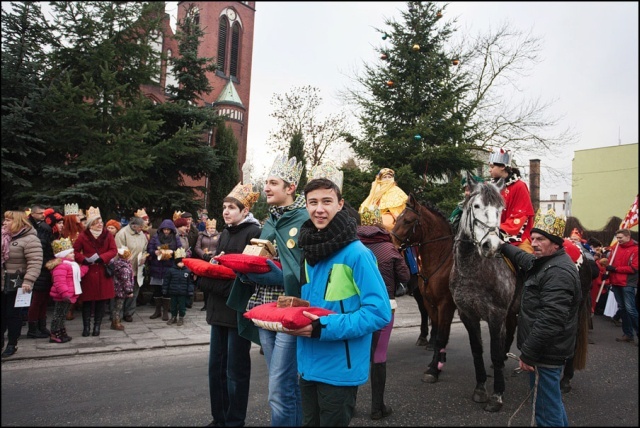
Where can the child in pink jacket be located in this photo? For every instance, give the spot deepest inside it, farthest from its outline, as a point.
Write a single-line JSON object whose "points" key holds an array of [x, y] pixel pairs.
{"points": [[65, 274]]}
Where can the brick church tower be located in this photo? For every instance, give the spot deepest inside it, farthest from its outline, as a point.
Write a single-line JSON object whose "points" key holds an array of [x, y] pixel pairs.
{"points": [[228, 28]]}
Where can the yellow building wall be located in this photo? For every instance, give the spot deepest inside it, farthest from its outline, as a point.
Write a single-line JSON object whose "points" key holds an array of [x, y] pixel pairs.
{"points": [[604, 184]]}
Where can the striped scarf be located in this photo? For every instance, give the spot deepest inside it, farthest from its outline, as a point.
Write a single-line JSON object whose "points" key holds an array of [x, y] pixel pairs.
{"points": [[320, 244]]}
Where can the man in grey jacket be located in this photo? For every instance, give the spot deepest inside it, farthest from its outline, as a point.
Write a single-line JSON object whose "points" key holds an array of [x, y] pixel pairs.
{"points": [[548, 318]]}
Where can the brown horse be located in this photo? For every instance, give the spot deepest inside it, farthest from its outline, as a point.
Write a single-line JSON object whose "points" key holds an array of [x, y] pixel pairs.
{"points": [[430, 231]]}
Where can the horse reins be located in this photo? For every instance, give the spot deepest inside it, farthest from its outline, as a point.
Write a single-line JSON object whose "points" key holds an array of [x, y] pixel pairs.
{"points": [[474, 221]]}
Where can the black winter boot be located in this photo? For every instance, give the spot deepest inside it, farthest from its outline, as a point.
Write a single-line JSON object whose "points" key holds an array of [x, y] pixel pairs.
{"points": [[158, 311], [166, 303], [42, 326], [378, 379], [34, 333], [65, 337], [86, 319], [98, 314]]}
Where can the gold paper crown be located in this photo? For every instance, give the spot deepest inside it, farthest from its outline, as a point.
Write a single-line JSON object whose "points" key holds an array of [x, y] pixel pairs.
{"points": [[141, 213], [329, 171], [61, 244], [287, 170], [244, 194], [124, 252], [177, 215], [71, 209], [550, 223], [370, 217], [93, 213], [211, 223], [180, 253]]}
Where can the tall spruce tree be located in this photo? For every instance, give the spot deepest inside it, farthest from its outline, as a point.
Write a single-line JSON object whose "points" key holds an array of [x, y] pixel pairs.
{"points": [[296, 148], [223, 182], [411, 118]]}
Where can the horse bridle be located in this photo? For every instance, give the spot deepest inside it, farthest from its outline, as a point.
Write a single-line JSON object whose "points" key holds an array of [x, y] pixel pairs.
{"points": [[474, 221]]}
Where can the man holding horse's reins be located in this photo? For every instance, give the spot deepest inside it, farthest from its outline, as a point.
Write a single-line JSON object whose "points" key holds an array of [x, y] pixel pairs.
{"points": [[517, 218], [548, 318]]}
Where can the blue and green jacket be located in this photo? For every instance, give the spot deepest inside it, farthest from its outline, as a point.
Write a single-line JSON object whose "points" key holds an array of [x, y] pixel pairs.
{"points": [[349, 283]]}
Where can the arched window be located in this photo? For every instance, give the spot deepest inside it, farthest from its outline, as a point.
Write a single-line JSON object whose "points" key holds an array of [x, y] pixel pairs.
{"points": [[222, 44], [235, 50]]}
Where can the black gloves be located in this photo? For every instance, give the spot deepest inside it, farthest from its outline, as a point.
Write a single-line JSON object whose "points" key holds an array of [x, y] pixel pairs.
{"points": [[611, 268], [605, 276], [207, 256]]}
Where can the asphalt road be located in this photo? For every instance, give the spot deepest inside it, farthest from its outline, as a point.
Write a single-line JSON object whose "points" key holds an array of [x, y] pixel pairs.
{"points": [[168, 387]]}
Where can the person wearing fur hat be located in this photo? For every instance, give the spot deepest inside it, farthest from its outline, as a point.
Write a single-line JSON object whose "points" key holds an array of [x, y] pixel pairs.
{"points": [[160, 249], [67, 275], [206, 248], [123, 285], [548, 317], [178, 285], [95, 247], [113, 226], [517, 217]]}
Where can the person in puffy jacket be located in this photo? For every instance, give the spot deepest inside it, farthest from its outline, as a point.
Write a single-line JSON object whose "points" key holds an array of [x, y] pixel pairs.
{"points": [[178, 287], [548, 318], [66, 288], [161, 247]]}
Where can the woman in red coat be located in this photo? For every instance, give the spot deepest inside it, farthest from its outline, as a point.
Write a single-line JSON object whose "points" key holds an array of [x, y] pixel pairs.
{"points": [[95, 247]]}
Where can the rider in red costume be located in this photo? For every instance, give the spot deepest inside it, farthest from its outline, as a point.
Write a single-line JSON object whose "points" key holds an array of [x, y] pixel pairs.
{"points": [[517, 217]]}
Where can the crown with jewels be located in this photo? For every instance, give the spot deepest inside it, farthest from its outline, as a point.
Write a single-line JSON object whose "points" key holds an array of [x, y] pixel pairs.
{"points": [[244, 194], [501, 155], [60, 245], [370, 217], [211, 223], [550, 223], [71, 209], [180, 253], [177, 215], [141, 213], [329, 171], [93, 212], [286, 169]]}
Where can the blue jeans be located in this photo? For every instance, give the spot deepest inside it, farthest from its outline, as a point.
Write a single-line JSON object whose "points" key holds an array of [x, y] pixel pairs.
{"points": [[626, 299], [284, 391], [229, 376], [549, 407]]}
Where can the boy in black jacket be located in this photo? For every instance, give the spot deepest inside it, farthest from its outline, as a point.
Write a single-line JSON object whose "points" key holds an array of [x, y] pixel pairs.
{"points": [[178, 285]]}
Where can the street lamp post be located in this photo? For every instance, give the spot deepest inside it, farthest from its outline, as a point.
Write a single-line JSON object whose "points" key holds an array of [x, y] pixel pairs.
{"points": [[206, 177]]}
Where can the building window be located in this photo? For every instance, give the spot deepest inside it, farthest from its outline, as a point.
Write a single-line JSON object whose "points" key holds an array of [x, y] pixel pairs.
{"points": [[222, 43], [235, 50], [548, 207]]}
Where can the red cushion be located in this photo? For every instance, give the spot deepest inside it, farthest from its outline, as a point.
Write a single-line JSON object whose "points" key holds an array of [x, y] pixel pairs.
{"points": [[204, 268], [270, 317], [246, 263]]}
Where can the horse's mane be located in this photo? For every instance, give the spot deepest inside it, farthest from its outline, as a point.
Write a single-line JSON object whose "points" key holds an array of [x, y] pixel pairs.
{"points": [[434, 209]]}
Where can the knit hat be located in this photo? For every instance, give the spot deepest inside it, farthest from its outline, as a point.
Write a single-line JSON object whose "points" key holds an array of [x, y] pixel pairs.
{"points": [[550, 226], [114, 223], [62, 247], [179, 222]]}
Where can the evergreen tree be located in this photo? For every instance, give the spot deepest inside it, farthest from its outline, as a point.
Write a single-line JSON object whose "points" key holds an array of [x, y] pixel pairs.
{"points": [[227, 176], [296, 148], [411, 119], [26, 35]]}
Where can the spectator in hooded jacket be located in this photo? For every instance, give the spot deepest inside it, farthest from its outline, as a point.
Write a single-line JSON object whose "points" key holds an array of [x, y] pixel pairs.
{"points": [[21, 253], [161, 247]]}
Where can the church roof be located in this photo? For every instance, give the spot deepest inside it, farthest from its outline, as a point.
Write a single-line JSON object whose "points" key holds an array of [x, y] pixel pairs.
{"points": [[229, 95]]}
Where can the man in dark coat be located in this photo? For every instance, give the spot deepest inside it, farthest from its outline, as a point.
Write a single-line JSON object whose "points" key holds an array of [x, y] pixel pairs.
{"points": [[548, 318], [37, 312]]}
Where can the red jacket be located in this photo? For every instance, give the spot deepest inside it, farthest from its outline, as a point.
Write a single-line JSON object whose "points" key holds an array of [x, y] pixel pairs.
{"points": [[95, 284], [518, 209], [626, 264]]}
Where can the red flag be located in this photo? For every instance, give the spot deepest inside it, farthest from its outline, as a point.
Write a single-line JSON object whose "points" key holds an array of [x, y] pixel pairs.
{"points": [[631, 218]]}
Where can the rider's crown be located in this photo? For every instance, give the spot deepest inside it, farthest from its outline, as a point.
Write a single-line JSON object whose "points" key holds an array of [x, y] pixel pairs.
{"points": [[286, 169], [501, 155], [329, 171]]}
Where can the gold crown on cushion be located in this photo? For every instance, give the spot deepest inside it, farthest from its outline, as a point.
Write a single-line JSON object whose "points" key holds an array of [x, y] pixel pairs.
{"points": [[286, 169], [370, 217], [177, 215], [71, 209], [501, 155], [61, 244], [329, 171], [93, 212], [180, 253], [211, 223], [550, 223], [244, 194], [141, 213]]}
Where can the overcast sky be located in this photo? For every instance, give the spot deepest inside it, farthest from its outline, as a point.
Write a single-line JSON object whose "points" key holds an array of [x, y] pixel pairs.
{"points": [[589, 63]]}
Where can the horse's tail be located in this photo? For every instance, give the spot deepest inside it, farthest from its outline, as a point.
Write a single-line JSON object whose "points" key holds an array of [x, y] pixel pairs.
{"points": [[580, 357]]}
